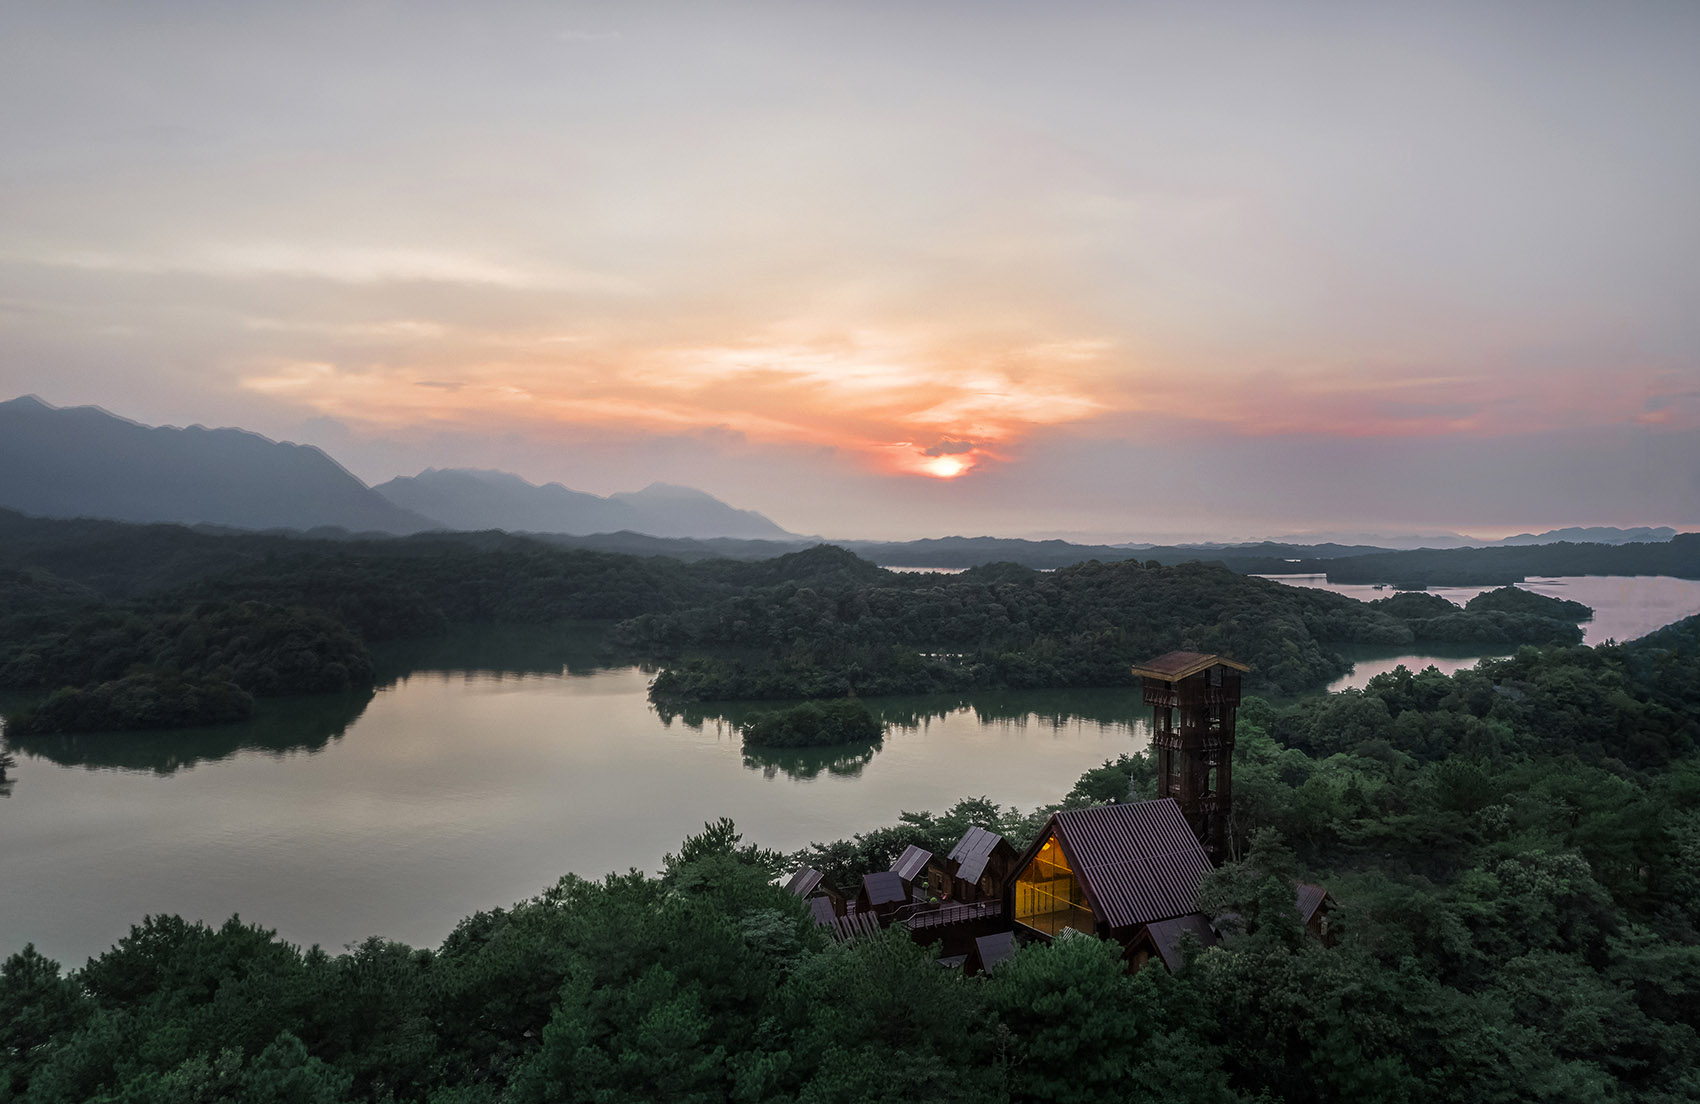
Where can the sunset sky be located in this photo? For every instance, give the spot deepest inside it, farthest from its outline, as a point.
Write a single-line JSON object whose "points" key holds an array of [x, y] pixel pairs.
{"points": [[888, 270]]}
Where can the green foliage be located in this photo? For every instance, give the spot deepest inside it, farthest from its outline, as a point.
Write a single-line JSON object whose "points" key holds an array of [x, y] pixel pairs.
{"points": [[815, 724], [1512, 599], [1513, 852], [145, 699]]}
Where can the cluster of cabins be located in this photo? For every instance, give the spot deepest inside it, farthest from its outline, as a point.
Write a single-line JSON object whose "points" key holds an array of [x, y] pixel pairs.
{"points": [[1128, 872]]}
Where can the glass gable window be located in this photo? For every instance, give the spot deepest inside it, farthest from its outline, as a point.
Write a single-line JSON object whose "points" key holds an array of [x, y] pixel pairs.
{"points": [[1047, 896]]}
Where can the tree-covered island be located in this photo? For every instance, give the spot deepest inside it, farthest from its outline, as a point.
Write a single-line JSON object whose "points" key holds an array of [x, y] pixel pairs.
{"points": [[103, 616]]}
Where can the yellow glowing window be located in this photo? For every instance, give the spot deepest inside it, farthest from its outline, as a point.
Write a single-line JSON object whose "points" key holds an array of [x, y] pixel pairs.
{"points": [[1047, 896]]}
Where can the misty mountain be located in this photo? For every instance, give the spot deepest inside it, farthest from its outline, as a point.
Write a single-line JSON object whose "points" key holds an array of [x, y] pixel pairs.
{"points": [[1595, 534], [84, 462], [467, 499]]}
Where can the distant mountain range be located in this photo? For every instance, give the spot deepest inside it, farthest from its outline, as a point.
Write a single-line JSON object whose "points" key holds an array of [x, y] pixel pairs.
{"points": [[1598, 534], [83, 462], [65, 462], [465, 499]]}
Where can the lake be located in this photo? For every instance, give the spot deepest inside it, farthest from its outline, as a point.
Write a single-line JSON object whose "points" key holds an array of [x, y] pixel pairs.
{"points": [[1625, 607], [489, 763], [448, 791]]}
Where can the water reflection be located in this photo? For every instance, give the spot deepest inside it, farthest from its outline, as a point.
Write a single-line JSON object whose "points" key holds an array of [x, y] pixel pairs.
{"points": [[280, 726], [1057, 712], [803, 764], [499, 650]]}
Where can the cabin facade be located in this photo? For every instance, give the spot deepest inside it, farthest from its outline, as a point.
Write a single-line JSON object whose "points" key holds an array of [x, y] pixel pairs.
{"points": [[1116, 871]]}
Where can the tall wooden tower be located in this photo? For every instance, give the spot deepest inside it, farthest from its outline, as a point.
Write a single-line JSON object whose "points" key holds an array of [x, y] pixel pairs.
{"points": [[1193, 698]]}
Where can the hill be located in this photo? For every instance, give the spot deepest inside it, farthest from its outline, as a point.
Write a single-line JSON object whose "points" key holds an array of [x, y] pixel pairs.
{"points": [[66, 462], [467, 499]]}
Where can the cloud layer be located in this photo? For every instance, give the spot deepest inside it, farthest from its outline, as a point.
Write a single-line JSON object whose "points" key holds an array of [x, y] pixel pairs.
{"points": [[885, 271]]}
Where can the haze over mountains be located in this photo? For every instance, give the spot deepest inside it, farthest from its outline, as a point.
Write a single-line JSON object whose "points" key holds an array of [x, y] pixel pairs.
{"points": [[465, 499], [86, 462]]}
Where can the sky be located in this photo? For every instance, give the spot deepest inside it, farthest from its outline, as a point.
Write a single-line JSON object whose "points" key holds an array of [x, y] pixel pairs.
{"points": [[888, 270]]}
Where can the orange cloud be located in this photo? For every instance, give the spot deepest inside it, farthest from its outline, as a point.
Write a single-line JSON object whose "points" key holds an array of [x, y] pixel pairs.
{"points": [[904, 404]]}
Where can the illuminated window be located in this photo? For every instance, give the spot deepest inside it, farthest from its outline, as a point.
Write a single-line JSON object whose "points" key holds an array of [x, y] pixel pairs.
{"points": [[1047, 896]]}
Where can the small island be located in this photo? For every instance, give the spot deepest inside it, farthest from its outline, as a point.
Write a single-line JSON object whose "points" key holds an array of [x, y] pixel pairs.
{"points": [[815, 724]]}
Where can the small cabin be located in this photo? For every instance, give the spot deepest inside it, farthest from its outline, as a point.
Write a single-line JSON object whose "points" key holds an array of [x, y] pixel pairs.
{"points": [[976, 868], [1115, 871], [911, 869], [882, 894], [811, 885]]}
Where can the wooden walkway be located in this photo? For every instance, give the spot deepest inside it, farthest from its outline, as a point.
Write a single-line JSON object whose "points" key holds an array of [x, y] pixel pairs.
{"points": [[960, 912]]}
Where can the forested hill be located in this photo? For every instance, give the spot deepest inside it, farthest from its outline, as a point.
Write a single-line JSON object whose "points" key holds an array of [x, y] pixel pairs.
{"points": [[149, 626], [1679, 556]]}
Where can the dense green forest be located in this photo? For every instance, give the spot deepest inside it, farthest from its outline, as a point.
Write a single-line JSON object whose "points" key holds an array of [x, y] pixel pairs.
{"points": [[104, 614], [814, 724], [1513, 852]]}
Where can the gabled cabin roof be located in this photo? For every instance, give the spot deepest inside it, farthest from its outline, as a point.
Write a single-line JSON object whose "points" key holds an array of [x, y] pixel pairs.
{"points": [[1310, 899], [989, 950], [884, 888], [910, 864], [821, 909], [1174, 666], [973, 851], [1137, 863], [804, 882], [1166, 936]]}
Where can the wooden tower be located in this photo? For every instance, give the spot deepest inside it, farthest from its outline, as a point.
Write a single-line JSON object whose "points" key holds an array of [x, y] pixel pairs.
{"points": [[1193, 698]]}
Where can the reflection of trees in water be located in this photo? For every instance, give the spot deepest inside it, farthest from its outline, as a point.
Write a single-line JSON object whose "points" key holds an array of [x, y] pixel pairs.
{"points": [[279, 726], [1042, 708], [500, 650], [845, 761]]}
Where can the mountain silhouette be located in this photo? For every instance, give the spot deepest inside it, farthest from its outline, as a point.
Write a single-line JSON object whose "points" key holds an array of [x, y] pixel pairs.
{"points": [[463, 498], [84, 462]]}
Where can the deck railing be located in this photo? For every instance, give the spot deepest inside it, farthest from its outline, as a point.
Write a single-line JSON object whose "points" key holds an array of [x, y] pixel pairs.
{"points": [[919, 916]]}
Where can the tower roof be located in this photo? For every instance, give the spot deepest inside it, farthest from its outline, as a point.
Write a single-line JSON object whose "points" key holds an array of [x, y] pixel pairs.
{"points": [[1174, 666]]}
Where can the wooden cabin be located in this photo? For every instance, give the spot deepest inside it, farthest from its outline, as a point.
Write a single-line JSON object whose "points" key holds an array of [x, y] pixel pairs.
{"points": [[1116, 871], [882, 895], [1314, 904], [911, 869], [976, 869], [810, 884]]}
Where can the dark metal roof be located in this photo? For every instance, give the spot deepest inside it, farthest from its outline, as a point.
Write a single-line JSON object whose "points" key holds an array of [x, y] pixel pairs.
{"points": [[1174, 666], [1166, 934], [821, 909], [1310, 899], [994, 948], [973, 851], [884, 888], [804, 882], [910, 864], [1138, 862]]}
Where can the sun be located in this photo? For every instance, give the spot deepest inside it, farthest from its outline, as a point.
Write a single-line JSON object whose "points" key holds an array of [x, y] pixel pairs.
{"points": [[945, 467]]}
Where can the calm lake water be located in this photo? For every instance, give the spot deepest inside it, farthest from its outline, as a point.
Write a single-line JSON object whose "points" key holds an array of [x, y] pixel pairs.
{"points": [[400, 812], [1625, 607], [490, 763]]}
